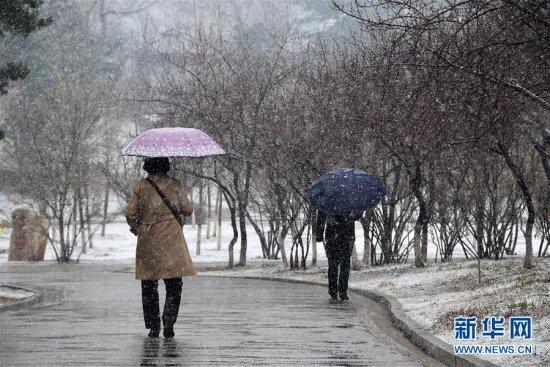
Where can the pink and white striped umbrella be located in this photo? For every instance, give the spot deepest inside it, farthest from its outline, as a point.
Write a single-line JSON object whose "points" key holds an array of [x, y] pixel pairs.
{"points": [[173, 142]]}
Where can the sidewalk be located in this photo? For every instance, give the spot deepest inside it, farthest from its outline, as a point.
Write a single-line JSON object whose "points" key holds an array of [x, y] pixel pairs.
{"points": [[91, 315]]}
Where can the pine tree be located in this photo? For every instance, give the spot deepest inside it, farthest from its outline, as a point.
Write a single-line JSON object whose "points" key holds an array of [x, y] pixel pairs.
{"points": [[18, 17]]}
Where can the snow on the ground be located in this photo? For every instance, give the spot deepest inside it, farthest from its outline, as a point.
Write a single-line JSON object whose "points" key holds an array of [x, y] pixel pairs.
{"points": [[434, 295], [8, 293], [118, 244]]}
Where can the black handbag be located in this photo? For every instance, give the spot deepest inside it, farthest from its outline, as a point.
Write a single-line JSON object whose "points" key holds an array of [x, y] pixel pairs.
{"points": [[166, 202]]}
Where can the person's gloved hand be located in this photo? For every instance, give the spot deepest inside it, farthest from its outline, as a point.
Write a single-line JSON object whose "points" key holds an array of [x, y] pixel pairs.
{"points": [[134, 231]]}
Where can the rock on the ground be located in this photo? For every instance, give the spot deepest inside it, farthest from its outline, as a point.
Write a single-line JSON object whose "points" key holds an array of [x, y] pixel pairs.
{"points": [[28, 237]]}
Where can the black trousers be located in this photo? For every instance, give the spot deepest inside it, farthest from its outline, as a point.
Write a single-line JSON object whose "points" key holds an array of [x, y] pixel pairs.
{"points": [[339, 257], [150, 300]]}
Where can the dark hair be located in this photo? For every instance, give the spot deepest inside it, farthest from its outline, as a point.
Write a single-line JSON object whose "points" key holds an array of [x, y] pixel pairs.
{"points": [[156, 165]]}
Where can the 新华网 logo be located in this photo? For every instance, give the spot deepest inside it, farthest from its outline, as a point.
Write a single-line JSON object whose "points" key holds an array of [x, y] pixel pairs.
{"points": [[518, 328]]}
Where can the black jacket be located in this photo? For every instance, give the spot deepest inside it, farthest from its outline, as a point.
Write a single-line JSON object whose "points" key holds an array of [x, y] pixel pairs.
{"points": [[335, 227]]}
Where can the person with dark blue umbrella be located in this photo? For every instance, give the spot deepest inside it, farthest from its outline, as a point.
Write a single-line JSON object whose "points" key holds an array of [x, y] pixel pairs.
{"points": [[337, 231], [341, 197]]}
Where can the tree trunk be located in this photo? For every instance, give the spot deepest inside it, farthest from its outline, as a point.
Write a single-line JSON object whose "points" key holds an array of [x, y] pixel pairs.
{"points": [[74, 219], [389, 220], [544, 158], [215, 220], [242, 202], [365, 223], [200, 222], [233, 215], [88, 218], [199, 234], [209, 211], [105, 209], [528, 198], [281, 244], [417, 243], [416, 183], [242, 230], [219, 232], [261, 236], [355, 263], [82, 225], [429, 211], [294, 234], [53, 228], [546, 247], [193, 216], [480, 222], [425, 240], [313, 244], [385, 236], [62, 244]]}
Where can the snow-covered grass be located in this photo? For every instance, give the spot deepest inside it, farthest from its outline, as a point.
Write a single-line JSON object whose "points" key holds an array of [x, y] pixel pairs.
{"points": [[434, 295]]}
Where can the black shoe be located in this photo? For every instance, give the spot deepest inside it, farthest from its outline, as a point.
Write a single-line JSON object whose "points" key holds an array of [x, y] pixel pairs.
{"points": [[154, 334], [333, 296], [344, 297], [168, 333]]}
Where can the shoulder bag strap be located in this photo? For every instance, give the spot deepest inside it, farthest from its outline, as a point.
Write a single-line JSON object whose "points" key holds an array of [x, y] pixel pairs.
{"points": [[166, 202]]}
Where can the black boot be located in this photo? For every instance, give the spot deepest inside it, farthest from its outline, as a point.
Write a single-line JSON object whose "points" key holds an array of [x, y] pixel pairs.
{"points": [[154, 333], [333, 296], [344, 296], [168, 332]]}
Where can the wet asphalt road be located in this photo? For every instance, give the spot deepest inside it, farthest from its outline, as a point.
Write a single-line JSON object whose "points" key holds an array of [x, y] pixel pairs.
{"points": [[92, 317]]}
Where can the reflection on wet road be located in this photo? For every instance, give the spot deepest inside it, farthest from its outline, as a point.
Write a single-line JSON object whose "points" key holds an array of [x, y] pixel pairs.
{"points": [[94, 318]]}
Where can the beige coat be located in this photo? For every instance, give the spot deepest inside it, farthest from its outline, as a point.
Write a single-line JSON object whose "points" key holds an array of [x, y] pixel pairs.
{"points": [[161, 248]]}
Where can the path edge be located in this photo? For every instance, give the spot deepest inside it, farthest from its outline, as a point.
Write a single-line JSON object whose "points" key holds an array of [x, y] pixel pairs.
{"points": [[26, 302], [412, 330]]}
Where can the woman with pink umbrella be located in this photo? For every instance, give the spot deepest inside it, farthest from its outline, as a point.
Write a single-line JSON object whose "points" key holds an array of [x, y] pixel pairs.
{"points": [[154, 213]]}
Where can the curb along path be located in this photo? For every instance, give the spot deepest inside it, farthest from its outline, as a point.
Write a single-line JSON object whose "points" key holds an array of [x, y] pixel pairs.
{"points": [[22, 303]]}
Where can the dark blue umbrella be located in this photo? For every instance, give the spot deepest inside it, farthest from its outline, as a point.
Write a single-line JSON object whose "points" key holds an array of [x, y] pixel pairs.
{"points": [[346, 191]]}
